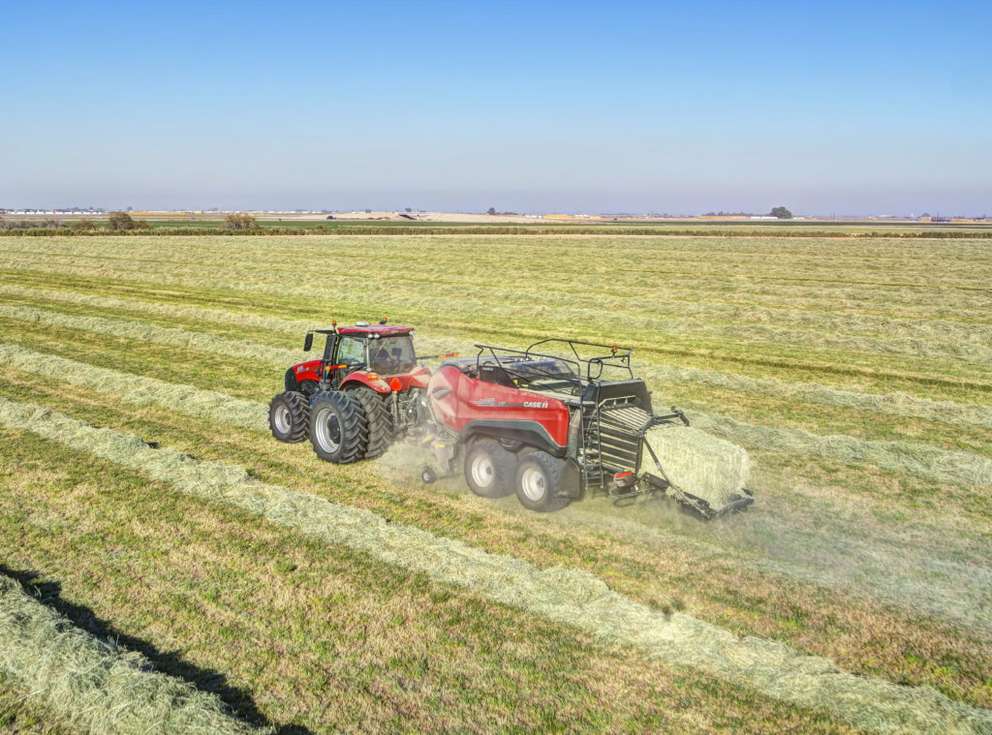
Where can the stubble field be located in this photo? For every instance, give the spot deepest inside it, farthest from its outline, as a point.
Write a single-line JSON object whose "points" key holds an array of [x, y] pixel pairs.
{"points": [[142, 499]]}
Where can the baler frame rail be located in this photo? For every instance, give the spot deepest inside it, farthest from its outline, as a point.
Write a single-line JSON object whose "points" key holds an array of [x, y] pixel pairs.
{"points": [[618, 357]]}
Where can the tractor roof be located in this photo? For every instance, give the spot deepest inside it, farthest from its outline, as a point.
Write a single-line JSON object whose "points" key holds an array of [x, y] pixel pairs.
{"points": [[362, 329]]}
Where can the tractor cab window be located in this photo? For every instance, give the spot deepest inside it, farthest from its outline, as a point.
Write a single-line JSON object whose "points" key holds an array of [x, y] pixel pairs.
{"points": [[351, 350], [392, 355]]}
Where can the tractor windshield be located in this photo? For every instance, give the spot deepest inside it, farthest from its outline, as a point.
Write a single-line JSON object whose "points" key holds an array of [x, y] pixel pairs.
{"points": [[392, 355]]}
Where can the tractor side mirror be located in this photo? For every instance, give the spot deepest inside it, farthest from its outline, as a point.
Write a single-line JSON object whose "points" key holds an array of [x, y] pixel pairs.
{"points": [[308, 342]]}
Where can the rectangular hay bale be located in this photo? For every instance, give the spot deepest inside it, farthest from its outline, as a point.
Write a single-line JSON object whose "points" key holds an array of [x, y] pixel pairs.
{"points": [[698, 463]]}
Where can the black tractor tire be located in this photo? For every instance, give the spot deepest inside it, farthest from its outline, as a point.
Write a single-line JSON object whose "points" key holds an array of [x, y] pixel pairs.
{"points": [[380, 420], [289, 417], [339, 430], [537, 481], [489, 469]]}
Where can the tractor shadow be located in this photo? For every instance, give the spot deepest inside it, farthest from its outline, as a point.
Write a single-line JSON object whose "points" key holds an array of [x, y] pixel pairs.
{"points": [[239, 701]]}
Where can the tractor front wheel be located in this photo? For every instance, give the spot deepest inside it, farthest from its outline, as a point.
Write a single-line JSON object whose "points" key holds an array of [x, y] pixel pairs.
{"points": [[538, 480], [289, 415], [338, 427], [489, 469]]}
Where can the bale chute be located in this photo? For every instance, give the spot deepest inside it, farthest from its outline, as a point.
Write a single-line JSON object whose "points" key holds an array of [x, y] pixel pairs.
{"points": [[704, 473]]}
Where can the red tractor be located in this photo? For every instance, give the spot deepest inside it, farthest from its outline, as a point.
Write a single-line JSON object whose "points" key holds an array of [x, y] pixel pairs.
{"points": [[355, 399], [549, 427]]}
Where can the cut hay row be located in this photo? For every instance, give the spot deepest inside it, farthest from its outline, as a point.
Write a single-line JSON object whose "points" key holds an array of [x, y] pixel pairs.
{"points": [[909, 337], [294, 327], [647, 303], [896, 403], [140, 390], [94, 686], [137, 330], [565, 596], [695, 318], [708, 259], [278, 276], [903, 457], [526, 324]]}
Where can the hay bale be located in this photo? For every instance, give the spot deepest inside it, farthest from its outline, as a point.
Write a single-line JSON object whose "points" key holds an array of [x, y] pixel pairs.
{"points": [[698, 463], [95, 686]]}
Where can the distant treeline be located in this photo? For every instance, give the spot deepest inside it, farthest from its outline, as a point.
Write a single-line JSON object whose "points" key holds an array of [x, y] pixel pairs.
{"points": [[23, 229]]}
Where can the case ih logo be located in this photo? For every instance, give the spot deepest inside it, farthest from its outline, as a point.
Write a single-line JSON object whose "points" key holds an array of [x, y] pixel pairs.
{"points": [[491, 402]]}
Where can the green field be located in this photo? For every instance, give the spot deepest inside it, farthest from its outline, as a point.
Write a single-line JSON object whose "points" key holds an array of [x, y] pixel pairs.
{"points": [[138, 479]]}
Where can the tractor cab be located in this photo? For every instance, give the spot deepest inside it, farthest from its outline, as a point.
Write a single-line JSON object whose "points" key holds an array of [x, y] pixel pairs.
{"points": [[373, 353]]}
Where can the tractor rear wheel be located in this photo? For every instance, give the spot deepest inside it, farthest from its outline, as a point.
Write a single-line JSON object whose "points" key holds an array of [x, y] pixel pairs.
{"points": [[380, 420], [489, 469], [538, 479], [338, 427], [289, 416]]}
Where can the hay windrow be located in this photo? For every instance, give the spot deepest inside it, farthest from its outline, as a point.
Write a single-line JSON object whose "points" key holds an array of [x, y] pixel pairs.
{"points": [[899, 336], [903, 457], [895, 404], [566, 596], [93, 685], [140, 390], [132, 329]]}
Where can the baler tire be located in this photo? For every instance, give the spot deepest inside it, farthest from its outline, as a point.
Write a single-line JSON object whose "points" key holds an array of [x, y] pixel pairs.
{"points": [[537, 481], [380, 420], [489, 469], [289, 417], [346, 439]]}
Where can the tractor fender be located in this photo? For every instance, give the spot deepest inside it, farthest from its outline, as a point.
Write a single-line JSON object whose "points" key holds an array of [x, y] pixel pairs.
{"points": [[361, 377], [290, 381]]}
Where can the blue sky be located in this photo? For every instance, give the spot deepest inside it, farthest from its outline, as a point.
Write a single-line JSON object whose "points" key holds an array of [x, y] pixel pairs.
{"points": [[626, 106]]}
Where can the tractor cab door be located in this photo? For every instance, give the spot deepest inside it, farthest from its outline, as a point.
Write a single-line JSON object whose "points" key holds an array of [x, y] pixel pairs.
{"points": [[350, 351], [344, 350]]}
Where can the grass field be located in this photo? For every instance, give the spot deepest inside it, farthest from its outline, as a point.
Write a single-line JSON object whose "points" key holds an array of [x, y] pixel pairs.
{"points": [[138, 478]]}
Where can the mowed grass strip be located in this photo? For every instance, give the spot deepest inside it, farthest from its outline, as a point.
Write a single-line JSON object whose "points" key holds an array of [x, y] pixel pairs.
{"points": [[93, 685], [928, 380], [306, 634], [770, 608], [416, 295], [565, 596], [938, 339]]}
